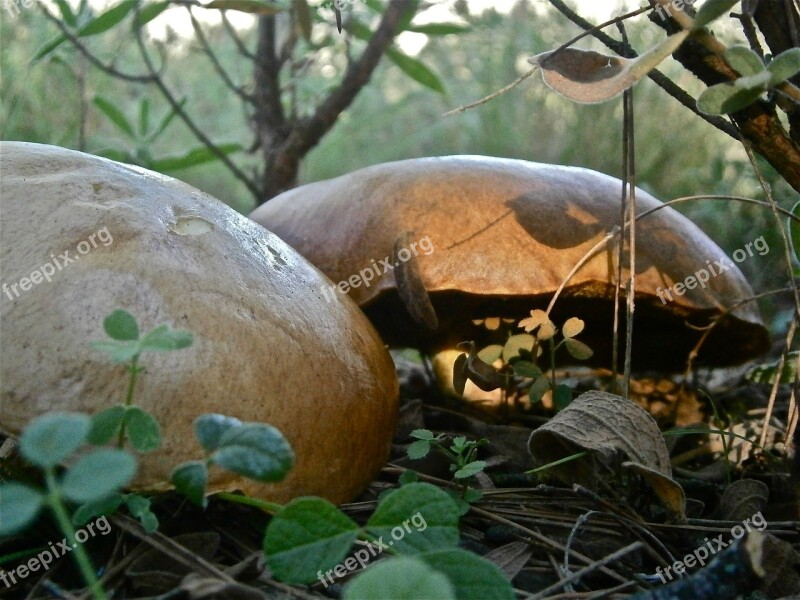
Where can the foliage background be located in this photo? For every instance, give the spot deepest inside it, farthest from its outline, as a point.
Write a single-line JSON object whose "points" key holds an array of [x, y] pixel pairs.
{"points": [[395, 118]]}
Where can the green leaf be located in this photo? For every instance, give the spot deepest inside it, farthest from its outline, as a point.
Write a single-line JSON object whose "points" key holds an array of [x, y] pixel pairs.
{"points": [[256, 451], [255, 7], [491, 353], [408, 477], [144, 116], [538, 388], [712, 10], [209, 429], [404, 577], [149, 12], [139, 508], [106, 424], [48, 47], [794, 232], [572, 327], [423, 434], [51, 438], [415, 518], [98, 474], [119, 352], [166, 120], [359, 30], [415, 69], [419, 449], [725, 98], [121, 325], [108, 19], [472, 576], [306, 536], [525, 368], [470, 469], [768, 372], [142, 429], [66, 13], [784, 66], [89, 510], [190, 479], [577, 349], [515, 343], [562, 396], [411, 8], [743, 60], [439, 28], [164, 339], [20, 505], [196, 156]]}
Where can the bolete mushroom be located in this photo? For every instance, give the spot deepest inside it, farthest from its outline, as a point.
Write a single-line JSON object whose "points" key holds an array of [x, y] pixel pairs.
{"points": [[82, 235], [504, 235]]}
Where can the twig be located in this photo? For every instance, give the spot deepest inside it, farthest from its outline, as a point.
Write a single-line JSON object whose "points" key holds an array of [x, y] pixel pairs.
{"points": [[614, 556], [176, 106], [493, 95]]}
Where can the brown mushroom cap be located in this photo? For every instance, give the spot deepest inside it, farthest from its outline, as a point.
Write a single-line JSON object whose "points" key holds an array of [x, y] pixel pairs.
{"points": [[267, 347], [505, 234]]}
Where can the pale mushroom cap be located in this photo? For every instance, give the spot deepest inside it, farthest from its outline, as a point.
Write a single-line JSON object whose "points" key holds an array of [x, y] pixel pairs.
{"points": [[267, 348], [505, 233]]}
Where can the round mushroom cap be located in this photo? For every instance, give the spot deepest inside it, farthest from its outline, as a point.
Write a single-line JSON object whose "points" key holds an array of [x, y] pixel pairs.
{"points": [[82, 236], [489, 237]]}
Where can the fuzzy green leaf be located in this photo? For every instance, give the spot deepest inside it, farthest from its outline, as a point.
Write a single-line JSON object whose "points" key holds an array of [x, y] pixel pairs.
{"points": [[784, 66], [142, 429], [209, 429], [712, 10], [577, 349], [470, 469], [433, 519], [472, 576], [51, 438], [562, 396], [95, 508], [19, 505], [119, 352], [106, 424], [121, 325], [256, 451], [402, 577], [419, 449], [306, 536], [98, 475], [190, 479], [744, 61], [538, 388], [164, 339]]}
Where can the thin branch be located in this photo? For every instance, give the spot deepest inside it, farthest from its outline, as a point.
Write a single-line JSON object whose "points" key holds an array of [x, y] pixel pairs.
{"points": [[176, 106], [235, 37], [223, 74], [493, 95], [75, 41]]}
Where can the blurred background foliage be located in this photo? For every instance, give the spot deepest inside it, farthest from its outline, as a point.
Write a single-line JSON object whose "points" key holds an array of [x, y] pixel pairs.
{"points": [[395, 117]]}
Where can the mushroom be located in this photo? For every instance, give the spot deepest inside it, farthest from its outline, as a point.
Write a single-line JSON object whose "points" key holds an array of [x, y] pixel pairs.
{"points": [[268, 348], [504, 235]]}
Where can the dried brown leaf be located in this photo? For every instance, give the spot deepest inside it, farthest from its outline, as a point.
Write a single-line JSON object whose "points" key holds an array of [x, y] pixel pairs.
{"points": [[742, 499], [612, 429]]}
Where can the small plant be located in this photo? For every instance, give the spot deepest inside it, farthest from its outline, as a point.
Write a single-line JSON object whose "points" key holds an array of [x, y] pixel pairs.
{"points": [[461, 452], [518, 356], [47, 442]]}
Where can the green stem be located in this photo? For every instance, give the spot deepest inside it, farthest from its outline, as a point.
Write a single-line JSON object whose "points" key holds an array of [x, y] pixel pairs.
{"points": [[64, 522], [134, 369], [270, 507]]}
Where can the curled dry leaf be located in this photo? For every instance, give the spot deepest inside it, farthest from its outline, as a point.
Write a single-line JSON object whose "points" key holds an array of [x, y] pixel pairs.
{"points": [[742, 499], [610, 428], [471, 367], [590, 77]]}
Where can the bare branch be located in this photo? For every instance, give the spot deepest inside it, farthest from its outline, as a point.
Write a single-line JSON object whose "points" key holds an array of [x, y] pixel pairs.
{"points": [[176, 106]]}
